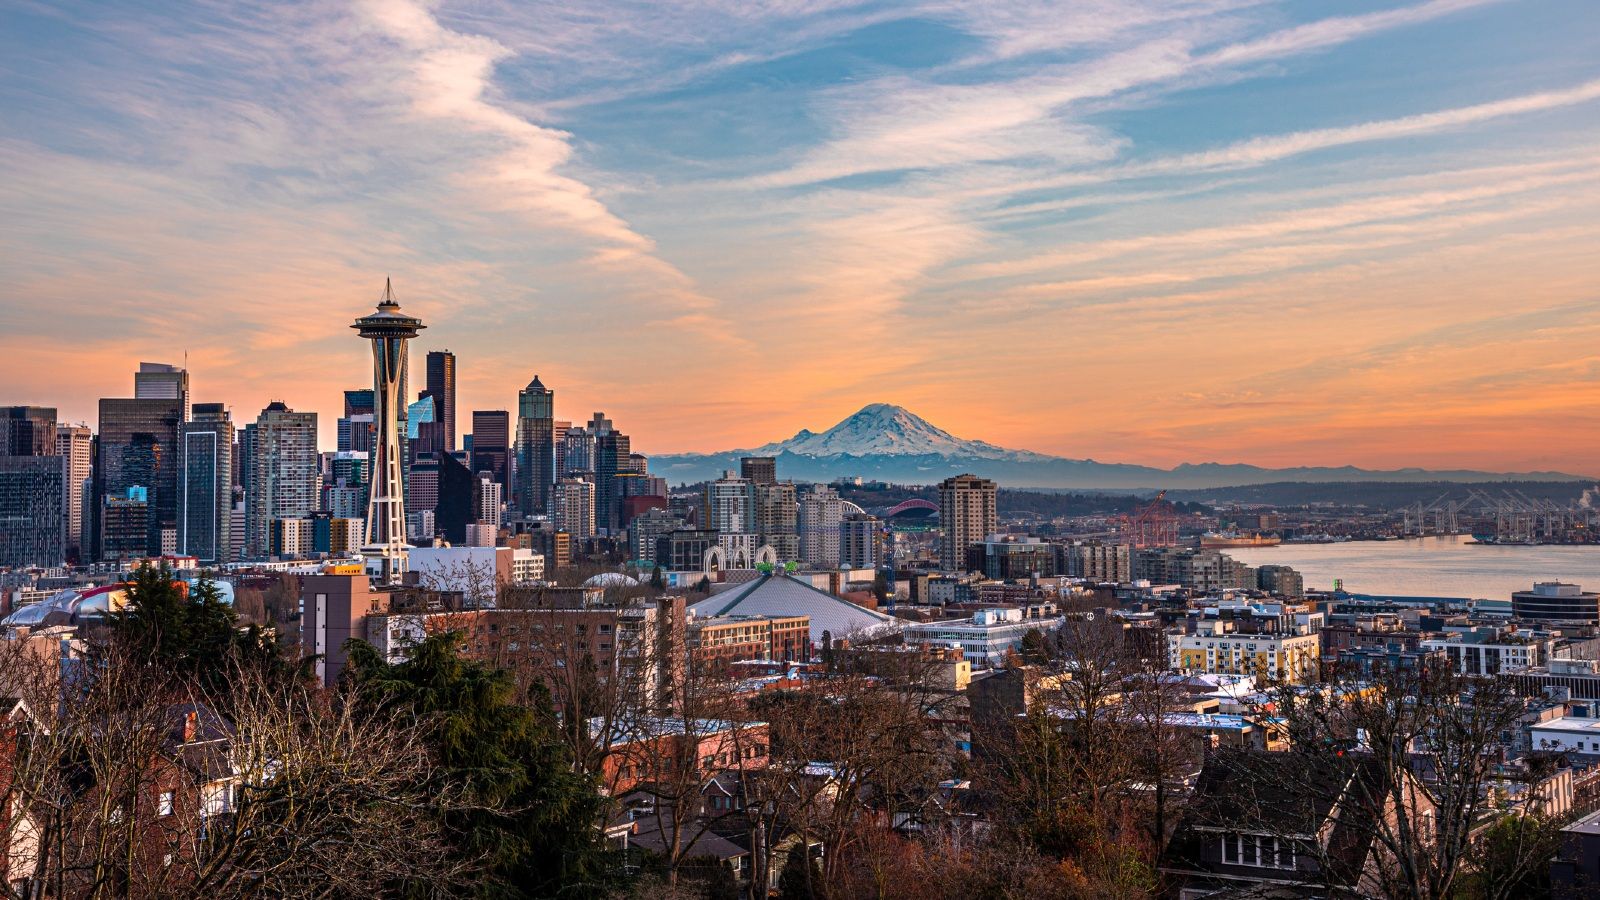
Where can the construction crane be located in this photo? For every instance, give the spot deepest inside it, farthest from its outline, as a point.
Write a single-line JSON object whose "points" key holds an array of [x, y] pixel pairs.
{"points": [[1152, 525]]}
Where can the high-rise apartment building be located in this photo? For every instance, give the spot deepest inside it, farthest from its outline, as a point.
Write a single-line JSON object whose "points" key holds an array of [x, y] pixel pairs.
{"points": [[491, 445], [205, 484], [860, 542], [574, 510], [137, 448], [536, 458], [284, 484], [33, 489], [820, 515], [778, 517], [491, 500], [442, 388], [75, 446], [730, 505], [967, 515], [759, 469], [159, 381]]}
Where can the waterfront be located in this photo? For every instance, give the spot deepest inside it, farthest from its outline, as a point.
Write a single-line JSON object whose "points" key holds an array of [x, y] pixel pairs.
{"points": [[1431, 567]]}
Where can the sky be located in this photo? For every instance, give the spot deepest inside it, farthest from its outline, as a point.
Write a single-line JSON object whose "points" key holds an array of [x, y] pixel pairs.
{"points": [[1148, 231]]}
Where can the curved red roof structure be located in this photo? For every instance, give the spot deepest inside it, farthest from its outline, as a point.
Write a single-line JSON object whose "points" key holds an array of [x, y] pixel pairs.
{"points": [[915, 503]]}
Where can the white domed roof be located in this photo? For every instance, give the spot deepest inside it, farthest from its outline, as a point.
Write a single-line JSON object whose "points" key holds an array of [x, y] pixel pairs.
{"points": [[611, 580]]}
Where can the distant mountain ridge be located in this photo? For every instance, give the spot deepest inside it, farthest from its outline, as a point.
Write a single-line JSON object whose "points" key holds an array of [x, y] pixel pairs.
{"points": [[885, 442]]}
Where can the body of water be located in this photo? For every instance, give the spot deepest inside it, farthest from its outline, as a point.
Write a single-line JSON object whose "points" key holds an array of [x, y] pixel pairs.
{"points": [[1430, 567]]}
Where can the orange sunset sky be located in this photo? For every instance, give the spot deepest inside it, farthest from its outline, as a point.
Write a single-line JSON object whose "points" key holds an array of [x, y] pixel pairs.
{"points": [[1151, 232]]}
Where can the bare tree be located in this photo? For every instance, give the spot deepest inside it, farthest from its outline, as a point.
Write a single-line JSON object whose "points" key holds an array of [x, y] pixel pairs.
{"points": [[1429, 742]]}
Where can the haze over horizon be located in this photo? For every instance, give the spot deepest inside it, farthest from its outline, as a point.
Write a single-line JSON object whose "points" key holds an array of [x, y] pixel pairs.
{"points": [[1147, 232]]}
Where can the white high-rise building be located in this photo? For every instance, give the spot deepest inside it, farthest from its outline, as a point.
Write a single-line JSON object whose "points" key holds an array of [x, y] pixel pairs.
{"points": [[574, 507], [286, 482]]}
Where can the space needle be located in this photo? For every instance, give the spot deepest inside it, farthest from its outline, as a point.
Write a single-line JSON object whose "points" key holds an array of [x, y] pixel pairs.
{"points": [[385, 546]]}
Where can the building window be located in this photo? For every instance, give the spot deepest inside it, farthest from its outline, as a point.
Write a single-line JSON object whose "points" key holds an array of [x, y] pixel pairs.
{"points": [[164, 804]]}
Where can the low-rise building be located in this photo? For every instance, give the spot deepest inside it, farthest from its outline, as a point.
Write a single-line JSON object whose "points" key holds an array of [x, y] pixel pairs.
{"points": [[1215, 648], [715, 643], [1492, 650], [985, 638]]}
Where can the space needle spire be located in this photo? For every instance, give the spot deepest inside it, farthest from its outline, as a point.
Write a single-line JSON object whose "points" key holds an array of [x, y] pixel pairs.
{"points": [[388, 328]]}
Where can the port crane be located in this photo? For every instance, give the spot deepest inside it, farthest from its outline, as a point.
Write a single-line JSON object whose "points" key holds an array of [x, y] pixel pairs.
{"points": [[1153, 525]]}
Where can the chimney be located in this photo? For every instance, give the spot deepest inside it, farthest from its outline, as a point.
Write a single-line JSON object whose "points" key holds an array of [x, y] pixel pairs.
{"points": [[191, 724]]}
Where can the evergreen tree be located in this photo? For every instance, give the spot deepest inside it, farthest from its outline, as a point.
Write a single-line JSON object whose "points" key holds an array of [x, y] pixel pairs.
{"points": [[656, 579], [534, 824], [188, 631], [1035, 651], [801, 878], [880, 587]]}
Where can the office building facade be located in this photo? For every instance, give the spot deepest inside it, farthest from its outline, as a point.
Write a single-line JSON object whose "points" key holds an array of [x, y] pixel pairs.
{"points": [[205, 484], [535, 448], [441, 377], [137, 448]]}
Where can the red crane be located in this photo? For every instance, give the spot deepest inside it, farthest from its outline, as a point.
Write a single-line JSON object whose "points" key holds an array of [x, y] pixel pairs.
{"points": [[1152, 525]]}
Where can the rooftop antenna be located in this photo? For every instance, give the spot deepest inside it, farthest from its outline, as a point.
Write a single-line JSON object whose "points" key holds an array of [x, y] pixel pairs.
{"points": [[388, 293]]}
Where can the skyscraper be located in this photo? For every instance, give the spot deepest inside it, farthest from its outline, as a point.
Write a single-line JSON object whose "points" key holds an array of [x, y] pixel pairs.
{"points": [[159, 381], [442, 388], [388, 329], [137, 448], [613, 454], [574, 450], [356, 427], [491, 445], [535, 448], [75, 445], [967, 515], [205, 484], [33, 489], [285, 481], [27, 431], [457, 504]]}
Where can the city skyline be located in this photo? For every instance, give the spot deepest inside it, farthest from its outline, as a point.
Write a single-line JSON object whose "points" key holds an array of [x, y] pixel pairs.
{"points": [[1149, 233]]}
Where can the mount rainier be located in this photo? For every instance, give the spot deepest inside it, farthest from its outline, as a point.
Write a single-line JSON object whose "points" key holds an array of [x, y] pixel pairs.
{"points": [[885, 442]]}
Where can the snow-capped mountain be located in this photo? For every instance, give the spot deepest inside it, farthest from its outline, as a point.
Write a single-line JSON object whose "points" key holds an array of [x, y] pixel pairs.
{"points": [[882, 429], [890, 443]]}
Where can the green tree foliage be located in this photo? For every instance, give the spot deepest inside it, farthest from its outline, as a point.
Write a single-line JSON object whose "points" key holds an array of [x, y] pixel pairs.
{"points": [[534, 824], [656, 580], [880, 587], [1513, 857]]}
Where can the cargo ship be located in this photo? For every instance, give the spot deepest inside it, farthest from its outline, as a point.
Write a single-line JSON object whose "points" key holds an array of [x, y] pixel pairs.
{"points": [[1215, 540]]}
